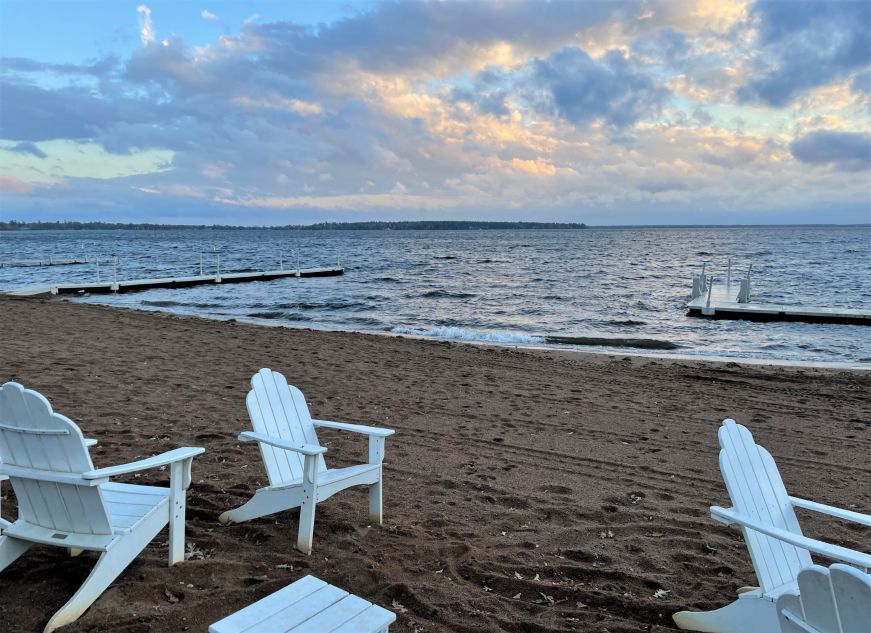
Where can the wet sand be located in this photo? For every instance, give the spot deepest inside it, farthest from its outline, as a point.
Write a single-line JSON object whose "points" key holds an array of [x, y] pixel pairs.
{"points": [[524, 491]]}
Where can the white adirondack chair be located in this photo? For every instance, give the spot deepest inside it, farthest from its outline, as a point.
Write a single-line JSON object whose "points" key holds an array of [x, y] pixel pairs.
{"points": [[833, 600], [293, 458], [63, 501], [4, 522], [778, 549]]}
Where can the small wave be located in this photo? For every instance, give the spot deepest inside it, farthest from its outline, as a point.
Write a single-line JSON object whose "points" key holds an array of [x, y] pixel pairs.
{"points": [[462, 334], [162, 304], [277, 314], [624, 322], [178, 304], [332, 305], [640, 343], [444, 294]]}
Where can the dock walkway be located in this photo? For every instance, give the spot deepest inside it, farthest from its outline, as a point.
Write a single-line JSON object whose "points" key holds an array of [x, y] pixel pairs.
{"points": [[134, 285]]}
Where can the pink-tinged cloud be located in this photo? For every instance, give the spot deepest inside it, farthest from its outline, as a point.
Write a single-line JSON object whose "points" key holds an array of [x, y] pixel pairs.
{"points": [[11, 184]]}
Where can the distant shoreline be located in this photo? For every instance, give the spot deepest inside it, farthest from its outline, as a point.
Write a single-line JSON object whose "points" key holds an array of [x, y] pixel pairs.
{"points": [[420, 225]]}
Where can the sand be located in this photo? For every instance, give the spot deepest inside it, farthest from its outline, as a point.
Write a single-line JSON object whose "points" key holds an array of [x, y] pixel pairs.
{"points": [[524, 491]]}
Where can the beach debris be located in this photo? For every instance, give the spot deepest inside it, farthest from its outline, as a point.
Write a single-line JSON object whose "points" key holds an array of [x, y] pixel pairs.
{"points": [[399, 607], [192, 552], [518, 576], [545, 599], [580, 605], [486, 588], [284, 566], [660, 593], [170, 597], [537, 579], [634, 498], [606, 534], [438, 571], [712, 550], [516, 596]]}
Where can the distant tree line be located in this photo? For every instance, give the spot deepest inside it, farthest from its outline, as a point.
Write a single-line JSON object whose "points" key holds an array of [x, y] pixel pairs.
{"points": [[424, 225]]}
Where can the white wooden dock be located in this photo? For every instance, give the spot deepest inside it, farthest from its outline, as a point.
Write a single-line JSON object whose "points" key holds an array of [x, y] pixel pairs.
{"points": [[731, 300], [133, 285], [51, 261]]}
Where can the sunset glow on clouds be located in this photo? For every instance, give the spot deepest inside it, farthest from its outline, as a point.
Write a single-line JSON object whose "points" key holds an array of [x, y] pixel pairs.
{"points": [[602, 112]]}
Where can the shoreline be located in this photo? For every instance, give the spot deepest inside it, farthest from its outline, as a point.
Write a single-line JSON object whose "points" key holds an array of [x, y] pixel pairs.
{"points": [[577, 349]]}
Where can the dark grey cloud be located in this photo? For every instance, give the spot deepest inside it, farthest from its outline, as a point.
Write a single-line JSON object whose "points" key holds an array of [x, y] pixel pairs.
{"points": [[862, 82], [28, 148], [23, 65], [580, 89], [850, 151], [403, 35], [31, 113], [804, 45], [665, 45]]}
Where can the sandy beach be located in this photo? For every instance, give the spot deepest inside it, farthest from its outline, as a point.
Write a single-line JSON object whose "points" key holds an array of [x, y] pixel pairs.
{"points": [[525, 491]]}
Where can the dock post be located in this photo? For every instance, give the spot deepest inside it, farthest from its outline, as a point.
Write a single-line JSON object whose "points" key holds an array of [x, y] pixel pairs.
{"points": [[707, 309], [297, 264], [115, 270], [218, 270], [201, 263], [729, 274], [280, 260], [750, 268], [97, 260]]}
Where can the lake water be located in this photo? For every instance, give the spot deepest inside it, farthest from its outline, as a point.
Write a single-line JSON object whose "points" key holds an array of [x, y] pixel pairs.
{"points": [[511, 287]]}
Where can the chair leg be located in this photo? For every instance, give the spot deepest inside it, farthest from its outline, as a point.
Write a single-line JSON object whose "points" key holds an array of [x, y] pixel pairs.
{"points": [[265, 501], [748, 613], [306, 526], [110, 564], [11, 549], [176, 513], [74, 551], [308, 505], [375, 502]]}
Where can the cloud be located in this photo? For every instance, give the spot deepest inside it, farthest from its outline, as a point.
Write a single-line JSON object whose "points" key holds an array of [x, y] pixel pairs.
{"points": [[11, 184], [28, 148], [500, 108], [582, 90], [848, 151], [209, 16], [803, 45], [146, 27]]}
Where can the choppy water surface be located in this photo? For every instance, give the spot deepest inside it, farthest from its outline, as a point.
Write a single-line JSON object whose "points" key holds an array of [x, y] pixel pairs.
{"points": [[512, 287]]}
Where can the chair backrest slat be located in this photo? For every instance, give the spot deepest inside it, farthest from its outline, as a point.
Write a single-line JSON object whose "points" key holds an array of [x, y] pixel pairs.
{"points": [[830, 600], [757, 491], [33, 436], [279, 410]]}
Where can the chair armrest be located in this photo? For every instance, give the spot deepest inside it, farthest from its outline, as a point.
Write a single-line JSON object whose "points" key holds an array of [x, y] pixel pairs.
{"points": [[846, 515], [729, 516], [89, 442], [304, 449], [355, 428], [177, 455]]}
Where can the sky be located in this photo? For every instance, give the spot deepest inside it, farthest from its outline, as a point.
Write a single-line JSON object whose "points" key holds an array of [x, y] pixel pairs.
{"points": [[617, 112]]}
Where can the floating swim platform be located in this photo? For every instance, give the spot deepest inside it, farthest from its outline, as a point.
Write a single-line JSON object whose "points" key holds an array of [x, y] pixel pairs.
{"points": [[731, 300], [134, 285]]}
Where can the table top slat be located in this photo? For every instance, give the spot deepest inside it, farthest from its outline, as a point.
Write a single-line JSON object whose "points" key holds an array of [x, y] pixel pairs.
{"points": [[307, 606]]}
